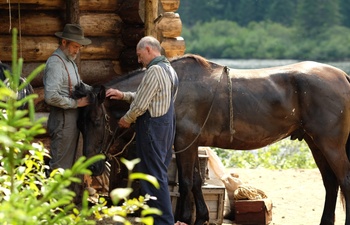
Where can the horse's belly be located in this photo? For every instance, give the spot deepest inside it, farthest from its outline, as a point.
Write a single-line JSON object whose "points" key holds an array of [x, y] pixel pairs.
{"points": [[244, 139]]}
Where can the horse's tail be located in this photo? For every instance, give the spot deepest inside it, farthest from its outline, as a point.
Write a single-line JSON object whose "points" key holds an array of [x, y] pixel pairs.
{"points": [[347, 76], [347, 146], [347, 149]]}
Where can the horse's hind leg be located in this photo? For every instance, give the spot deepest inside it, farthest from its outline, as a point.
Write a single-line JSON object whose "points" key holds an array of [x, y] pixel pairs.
{"points": [[202, 214], [329, 181]]}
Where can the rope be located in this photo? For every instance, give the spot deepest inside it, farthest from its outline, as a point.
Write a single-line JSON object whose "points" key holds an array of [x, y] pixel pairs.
{"points": [[232, 131], [246, 192], [114, 157]]}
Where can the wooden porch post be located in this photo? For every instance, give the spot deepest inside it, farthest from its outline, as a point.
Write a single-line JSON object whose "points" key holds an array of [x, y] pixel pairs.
{"points": [[151, 13]]}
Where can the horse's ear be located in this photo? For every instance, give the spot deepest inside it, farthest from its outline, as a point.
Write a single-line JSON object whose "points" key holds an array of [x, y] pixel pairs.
{"points": [[101, 94]]}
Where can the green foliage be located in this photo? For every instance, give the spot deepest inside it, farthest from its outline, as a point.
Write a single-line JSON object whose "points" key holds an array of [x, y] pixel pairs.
{"points": [[313, 17], [273, 29], [285, 154], [27, 195], [265, 40], [130, 206], [314, 14]]}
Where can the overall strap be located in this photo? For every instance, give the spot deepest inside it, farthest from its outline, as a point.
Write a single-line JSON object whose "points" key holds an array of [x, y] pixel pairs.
{"points": [[174, 80], [69, 81]]}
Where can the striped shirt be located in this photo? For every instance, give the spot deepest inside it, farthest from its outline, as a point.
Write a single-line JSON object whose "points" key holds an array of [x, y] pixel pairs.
{"points": [[153, 94]]}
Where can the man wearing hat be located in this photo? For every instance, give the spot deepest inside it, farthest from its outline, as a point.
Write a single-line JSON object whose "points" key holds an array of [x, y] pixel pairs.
{"points": [[60, 77]]}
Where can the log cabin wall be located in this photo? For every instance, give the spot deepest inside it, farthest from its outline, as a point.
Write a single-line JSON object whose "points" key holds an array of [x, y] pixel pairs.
{"points": [[114, 26]]}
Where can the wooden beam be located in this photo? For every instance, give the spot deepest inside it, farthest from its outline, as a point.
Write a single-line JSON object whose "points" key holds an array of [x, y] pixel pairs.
{"points": [[151, 13], [72, 13], [73, 16]]}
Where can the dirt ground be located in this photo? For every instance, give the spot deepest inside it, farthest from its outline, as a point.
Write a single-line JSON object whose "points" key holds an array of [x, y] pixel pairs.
{"points": [[297, 195]]}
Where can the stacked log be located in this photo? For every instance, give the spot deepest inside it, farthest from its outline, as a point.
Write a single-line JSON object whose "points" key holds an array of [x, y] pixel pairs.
{"points": [[170, 27], [37, 41]]}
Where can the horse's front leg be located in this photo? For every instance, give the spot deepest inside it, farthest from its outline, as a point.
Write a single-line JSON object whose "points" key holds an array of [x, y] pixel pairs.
{"points": [[185, 167], [190, 182]]}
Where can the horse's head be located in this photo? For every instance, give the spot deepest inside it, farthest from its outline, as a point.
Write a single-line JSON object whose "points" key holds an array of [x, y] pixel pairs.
{"points": [[93, 124]]}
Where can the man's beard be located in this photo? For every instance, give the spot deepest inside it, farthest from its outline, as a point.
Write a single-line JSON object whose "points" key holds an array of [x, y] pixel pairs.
{"points": [[69, 56]]}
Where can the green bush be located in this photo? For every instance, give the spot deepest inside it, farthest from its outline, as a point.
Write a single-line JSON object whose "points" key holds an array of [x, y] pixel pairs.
{"points": [[285, 154]]}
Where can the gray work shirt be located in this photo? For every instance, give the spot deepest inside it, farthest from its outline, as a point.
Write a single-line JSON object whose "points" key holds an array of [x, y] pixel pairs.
{"points": [[56, 81]]}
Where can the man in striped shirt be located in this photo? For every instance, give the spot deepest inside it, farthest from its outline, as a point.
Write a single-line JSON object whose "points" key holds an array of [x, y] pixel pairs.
{"points": [[152, 108]]}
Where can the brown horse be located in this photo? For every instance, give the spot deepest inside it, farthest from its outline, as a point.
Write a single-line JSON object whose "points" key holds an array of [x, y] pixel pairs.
{"points": [[248, 109]]}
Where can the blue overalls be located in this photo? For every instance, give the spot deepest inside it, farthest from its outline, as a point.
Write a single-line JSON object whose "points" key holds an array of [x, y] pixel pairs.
{"points": [[154, 141]]}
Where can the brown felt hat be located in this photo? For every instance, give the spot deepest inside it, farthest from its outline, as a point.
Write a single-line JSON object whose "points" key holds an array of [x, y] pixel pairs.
{"points": [[73, 32]]}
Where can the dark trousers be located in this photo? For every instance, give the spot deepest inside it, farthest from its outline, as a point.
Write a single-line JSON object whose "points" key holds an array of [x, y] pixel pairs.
{"points": [[64, 134], [154, 140]]}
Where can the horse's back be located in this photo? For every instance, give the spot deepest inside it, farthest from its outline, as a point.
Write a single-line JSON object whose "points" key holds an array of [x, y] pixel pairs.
{"points": [[305, 67]]}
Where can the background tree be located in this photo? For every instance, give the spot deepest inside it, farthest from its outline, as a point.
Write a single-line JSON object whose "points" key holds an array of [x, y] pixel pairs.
{"points": [[267, 29], [282, 12], [344, 6], [313, 17]]}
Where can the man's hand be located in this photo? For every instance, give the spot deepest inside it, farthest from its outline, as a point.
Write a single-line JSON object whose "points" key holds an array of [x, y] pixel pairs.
{"points": [[84, 101], [114, 94], [122, 123]]}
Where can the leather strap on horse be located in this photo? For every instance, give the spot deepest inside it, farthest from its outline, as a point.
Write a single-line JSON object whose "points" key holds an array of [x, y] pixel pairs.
{"points": [[106, 145], [224, 71]]}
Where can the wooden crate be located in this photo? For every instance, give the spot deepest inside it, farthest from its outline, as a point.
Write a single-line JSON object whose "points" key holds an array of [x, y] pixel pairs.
{"points": [[214, 196], [257, 212]]}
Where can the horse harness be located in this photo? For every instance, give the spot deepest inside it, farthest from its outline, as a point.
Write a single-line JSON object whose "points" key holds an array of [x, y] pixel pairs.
{"points": [[109, 139]]}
